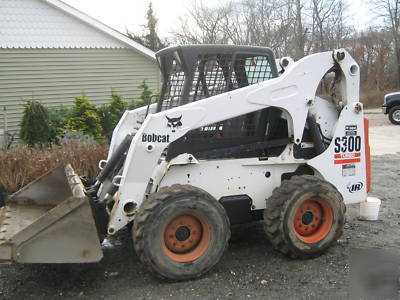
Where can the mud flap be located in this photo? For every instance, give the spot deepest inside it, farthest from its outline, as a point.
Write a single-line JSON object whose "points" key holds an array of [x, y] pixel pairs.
{"points": [[49, 221]]}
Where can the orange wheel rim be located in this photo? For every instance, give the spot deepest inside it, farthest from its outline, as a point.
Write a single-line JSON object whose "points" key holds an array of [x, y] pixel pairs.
{"points": [[313, 220], [186, 237]]}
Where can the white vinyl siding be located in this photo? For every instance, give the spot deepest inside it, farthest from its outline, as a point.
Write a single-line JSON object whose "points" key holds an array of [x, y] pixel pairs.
{"points": [[55, 76]]}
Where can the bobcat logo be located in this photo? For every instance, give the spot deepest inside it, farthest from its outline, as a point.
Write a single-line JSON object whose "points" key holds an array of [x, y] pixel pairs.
{"points": [[174, 123]]}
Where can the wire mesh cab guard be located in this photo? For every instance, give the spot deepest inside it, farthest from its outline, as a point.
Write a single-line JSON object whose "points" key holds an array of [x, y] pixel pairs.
{"points": [[194, 72]]}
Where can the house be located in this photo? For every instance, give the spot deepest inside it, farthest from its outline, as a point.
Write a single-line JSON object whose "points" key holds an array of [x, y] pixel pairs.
{"points": [[52, 52]]}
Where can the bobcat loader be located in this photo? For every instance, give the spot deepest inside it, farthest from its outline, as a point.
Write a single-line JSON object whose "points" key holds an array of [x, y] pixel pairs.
{"points": [[232, 139]]}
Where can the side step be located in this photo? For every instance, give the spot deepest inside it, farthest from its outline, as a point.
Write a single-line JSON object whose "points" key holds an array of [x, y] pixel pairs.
{"points": [[49, 221]]}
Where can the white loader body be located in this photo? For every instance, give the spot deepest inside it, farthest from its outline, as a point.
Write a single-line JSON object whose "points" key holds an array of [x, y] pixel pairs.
{"points": [[343, 163], [235, 143]]}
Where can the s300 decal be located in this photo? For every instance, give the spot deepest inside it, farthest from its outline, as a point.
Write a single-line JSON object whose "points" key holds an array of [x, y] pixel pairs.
{"points": [[348, 144]]}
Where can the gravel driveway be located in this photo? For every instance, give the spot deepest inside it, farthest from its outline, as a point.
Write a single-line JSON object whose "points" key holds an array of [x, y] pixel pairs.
{"points": [[250, 268]]}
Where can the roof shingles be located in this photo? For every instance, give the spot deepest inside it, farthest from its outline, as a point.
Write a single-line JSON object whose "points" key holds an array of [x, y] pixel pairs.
{"points": [[54, 24]]}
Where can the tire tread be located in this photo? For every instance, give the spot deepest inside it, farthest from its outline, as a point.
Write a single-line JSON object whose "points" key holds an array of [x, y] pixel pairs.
{"points": [[277, 204], [150, 204]]}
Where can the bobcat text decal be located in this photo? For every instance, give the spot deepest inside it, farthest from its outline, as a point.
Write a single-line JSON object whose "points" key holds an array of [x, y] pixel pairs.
{"points": [[155, 138]]}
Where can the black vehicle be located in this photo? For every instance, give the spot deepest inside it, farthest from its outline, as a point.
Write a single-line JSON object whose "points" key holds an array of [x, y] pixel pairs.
{"points": [[391, 107]]}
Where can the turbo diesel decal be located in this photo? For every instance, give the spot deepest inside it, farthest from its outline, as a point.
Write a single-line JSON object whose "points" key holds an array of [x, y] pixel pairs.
{"points": [[347, 158]]}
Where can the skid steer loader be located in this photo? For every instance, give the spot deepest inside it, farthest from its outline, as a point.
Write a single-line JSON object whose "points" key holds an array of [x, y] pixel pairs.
{"points": [[233, 138]]}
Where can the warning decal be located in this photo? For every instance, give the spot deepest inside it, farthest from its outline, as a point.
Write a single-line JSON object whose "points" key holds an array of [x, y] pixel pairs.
{"points": [[348, 170]]}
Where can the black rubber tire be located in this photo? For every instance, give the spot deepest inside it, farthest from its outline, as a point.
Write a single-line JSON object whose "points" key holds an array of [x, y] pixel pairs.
{"points": [[392, 111], [156, 212], [282, 206]]}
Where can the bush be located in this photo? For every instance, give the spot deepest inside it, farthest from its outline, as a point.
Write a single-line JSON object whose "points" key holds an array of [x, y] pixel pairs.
{"points": [[144, 97], [85, 118], [105, 120], [35, 125], [111, 114], [22, 164], [58, 117], [117, 107]]}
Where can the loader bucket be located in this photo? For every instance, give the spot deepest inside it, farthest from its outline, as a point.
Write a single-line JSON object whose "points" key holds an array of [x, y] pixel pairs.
{"points": [[49, 221]]}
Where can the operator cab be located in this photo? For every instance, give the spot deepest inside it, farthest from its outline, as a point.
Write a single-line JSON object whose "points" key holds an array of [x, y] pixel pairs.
{"points": [[195, 72]]}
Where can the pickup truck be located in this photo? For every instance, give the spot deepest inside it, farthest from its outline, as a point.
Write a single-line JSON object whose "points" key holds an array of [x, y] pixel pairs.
{"points": [[391, 107]]}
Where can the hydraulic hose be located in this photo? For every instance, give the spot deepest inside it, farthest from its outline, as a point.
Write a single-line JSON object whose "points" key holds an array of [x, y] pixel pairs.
{"points": [[115, 160]]}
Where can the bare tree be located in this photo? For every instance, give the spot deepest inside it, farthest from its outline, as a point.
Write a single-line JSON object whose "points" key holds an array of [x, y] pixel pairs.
{"points": [[373, 51], [300, 27], [289, 27], [267, 23], [300, 36], [325, 18], [204, 25], [389, 10]]}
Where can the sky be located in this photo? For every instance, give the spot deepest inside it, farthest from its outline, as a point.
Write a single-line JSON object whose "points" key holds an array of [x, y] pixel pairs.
{"points": [[121, 14]]}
